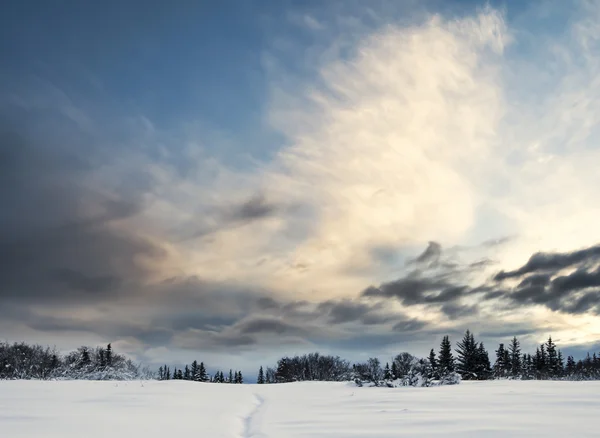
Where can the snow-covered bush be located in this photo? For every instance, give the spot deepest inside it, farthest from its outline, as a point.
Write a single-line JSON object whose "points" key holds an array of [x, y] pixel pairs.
{"points": [[451, 378]]}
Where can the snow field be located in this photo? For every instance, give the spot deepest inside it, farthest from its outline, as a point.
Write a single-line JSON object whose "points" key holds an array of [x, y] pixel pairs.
{"points": [[311, 409]]}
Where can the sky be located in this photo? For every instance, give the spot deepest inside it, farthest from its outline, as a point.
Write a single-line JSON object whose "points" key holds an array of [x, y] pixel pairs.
{"points": [[237, 181]]}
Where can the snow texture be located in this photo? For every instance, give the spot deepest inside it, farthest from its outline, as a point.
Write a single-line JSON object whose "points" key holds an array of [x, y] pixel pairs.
{"points": [[70, 409]]}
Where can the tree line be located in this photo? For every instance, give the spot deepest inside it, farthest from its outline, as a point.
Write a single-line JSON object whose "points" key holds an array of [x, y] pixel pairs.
{"points": [[196, 372], [470, 360], [23, 361]]}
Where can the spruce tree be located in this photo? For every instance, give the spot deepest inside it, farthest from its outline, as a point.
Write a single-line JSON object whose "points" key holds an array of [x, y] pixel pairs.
{"points": [[500, 364], [543, 364], [109, 355], [434, 365], [85, 357], [483, 367], [515, 357], [202, 375], [186, 373], [240, 378], [194, 371], [560, 364], [387, 373], [230, 376], [394, 370], [445, 358], [261, 376], [552, 358], [467, 357]]}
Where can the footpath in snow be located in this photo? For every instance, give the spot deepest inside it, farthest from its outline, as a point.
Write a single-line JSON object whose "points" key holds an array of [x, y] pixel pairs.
{"points": [[318, 410]]}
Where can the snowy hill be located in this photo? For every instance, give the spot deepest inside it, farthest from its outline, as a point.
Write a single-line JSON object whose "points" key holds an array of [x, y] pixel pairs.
{"points": [[69, 409]]}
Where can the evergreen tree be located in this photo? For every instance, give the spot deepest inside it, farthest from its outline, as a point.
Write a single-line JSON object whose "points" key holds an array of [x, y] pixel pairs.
{"points": [[202, 375], [387, 373], [109, 355], [434, 365], [230, 376], [102, 358], [514, 350], [483, 367], [570, 369], [552, 358], [445, 358], [261, 376], [186, 373], [179, 374], [194, 375], [543, 363], [240, 378], [467, 356], [500, 364], [85, 357], [168, 373], [560, 364], [394, 370]]}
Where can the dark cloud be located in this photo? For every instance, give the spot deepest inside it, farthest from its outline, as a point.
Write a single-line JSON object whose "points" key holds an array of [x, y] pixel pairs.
{"points": [[542, 282], [344, 311], [431, 255], [268, 325], [456, 311], [256, 207], [414, 290], [409, 325], [59, 238], [553, 262]]}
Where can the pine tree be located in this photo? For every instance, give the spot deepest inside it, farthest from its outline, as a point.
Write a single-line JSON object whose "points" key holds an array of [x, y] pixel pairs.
{"points": [[186, 373], [109, 355], [552, 358], [434, 365], [394, 370], [168, 373], [240, 378], [467, 355], [560, 364], [514, 350], [387, 373], [543, 363], [261, 376], [483, 366], [202, 375], [570, 366], [500, 364], [194, 371], [102, 355], [445, 358]]}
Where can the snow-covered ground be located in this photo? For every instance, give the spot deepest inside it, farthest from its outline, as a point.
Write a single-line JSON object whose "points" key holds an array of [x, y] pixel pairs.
{"points": [[318, 410]]}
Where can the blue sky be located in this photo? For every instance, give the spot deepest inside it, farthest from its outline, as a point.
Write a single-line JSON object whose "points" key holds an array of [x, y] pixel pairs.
{"points": [[252, 178]]}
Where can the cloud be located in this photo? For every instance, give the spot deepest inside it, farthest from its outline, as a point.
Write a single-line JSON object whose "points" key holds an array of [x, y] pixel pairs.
{"points": [[431, 256], [553, 262], [426, 129], [61, 238]]}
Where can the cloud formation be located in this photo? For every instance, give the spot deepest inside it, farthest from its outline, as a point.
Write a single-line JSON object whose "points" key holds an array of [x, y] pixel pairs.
{"points": [[437, 132]]}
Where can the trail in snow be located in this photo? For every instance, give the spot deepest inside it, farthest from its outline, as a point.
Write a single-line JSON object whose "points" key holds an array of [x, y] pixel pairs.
{"points": [[253, 422]]}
